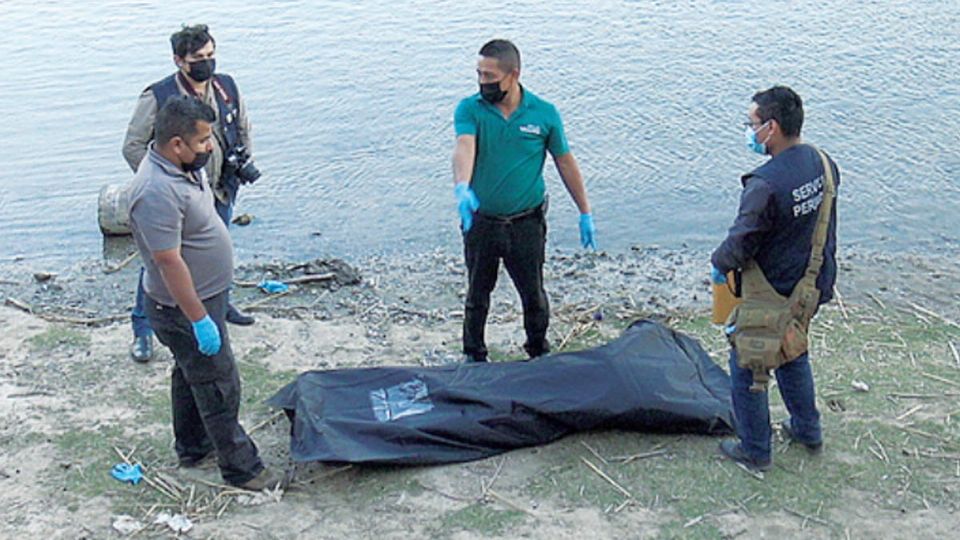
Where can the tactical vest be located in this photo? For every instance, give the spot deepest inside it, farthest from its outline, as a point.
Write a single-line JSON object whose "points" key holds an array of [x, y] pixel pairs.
{"points": [[227, 97], [786, 246], [770, 328]]}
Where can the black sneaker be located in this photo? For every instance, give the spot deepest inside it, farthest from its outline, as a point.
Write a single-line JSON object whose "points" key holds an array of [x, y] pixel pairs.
{"points": [[472, 359], [734, 451], [814, 448], [237, 317], [141, 350]]}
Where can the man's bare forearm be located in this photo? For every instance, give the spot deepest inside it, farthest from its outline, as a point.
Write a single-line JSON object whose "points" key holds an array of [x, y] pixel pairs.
{"points": [[573, 180], [463, 159]]}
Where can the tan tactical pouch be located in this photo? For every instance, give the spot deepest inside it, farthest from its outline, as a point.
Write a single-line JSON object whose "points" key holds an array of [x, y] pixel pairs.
{"points": [[771, 329]]}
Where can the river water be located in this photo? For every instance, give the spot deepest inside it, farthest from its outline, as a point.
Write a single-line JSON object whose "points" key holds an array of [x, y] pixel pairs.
{"points": [[352, 106]]}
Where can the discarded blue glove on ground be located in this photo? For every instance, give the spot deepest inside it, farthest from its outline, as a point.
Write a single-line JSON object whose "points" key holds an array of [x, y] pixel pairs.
{"points": [[208, 336], [587, 231], [718, 277], [273, 287], [467, 204], [125, 472]]}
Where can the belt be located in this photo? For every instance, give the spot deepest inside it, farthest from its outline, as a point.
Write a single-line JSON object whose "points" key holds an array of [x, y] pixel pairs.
{"points": [[540, 209]]}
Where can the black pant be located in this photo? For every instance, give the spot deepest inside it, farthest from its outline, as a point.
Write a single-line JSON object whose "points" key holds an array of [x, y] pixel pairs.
{"points": [[520, 242], [205, 393]]}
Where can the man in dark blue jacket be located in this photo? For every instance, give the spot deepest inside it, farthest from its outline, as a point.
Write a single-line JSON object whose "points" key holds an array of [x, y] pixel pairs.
{"points": [[774, 227]]}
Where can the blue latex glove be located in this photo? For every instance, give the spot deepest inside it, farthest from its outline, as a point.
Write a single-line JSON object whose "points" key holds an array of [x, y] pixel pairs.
{"points": [[467, 204], [125, 472], [208, 336], [587, 231], [273, 287], [718, 277]]}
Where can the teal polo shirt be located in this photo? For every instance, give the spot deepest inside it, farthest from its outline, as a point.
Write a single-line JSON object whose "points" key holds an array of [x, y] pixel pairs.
{"points": [[508, 169]]}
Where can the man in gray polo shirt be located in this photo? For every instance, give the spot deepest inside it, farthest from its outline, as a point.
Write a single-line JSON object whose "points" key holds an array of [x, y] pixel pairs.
{"points": [[188, 259]]}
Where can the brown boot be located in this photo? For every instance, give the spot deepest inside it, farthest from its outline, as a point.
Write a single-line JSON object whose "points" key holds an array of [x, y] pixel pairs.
{"points": [[267, 479]]}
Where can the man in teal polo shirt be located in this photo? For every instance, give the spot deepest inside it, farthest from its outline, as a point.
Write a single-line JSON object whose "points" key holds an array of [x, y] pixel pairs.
{"points": [[503, 134]]}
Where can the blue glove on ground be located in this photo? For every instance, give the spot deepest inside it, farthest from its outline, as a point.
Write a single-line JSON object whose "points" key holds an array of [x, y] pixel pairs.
{"points": [[208, 336], [718, 277], [273, 287], [125, 472], [467, 204], [587, 231]]}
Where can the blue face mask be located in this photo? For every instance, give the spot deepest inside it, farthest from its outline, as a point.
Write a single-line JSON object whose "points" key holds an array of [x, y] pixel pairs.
{"points": [[752, 142]]}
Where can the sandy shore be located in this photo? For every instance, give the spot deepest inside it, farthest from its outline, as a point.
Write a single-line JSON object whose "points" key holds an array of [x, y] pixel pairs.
{"points": [[73, 399]]}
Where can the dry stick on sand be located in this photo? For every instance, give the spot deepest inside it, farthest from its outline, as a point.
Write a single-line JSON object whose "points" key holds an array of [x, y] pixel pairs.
{"points": [[843, 308], [260, 302], [595, 453], [511, 504], [496, 474], [911, 411], [939, 378], [806, 517], [324, 474], [956, 355], [934, 314], [25, 307], [604, 475], [122, 264], [260, 425]]}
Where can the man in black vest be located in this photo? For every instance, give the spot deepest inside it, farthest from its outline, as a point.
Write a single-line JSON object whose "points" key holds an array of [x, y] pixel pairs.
{"points": [[778, 213], [230, 164]]}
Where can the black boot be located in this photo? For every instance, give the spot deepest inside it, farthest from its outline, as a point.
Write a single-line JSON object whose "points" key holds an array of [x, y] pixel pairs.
{"points": [[235, 316], [141, 350]]}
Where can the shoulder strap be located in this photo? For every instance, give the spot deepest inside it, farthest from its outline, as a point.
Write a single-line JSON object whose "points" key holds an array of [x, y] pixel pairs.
{"points": [[819, 240], [226, 88]]}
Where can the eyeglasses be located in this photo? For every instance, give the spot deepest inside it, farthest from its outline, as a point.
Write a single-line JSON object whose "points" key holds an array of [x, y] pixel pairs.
{"points": [[754, 125]]}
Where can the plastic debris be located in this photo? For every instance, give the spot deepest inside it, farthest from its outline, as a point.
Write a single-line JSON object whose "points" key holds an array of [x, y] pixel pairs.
{"points": [[273, 287], [127, 525], [125, 472], [178, 523], [860, 386]]}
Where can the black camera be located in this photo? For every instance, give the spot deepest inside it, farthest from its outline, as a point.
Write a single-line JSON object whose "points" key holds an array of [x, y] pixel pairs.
{"points": [[238, 162]]}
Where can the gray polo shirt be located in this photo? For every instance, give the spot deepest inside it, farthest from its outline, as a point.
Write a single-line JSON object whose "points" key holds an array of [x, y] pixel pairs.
{"points": [[170, 208]]}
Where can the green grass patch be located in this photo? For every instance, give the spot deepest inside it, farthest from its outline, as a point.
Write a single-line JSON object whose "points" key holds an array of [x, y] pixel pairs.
{"points": [[481, 518], [59, 337]]}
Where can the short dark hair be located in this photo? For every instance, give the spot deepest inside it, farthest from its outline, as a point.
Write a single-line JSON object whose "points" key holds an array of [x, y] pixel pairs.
{"points": [[190, 39], [506, 53], [783, 105], [178, 118]]}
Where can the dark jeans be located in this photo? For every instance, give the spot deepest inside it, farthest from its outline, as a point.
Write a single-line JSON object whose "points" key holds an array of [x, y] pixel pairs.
{"points": [[752, 410], [141, 326], [520, 243], [205, 393]]}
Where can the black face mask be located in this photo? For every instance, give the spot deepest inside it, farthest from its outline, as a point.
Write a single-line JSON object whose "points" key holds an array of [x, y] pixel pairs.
{"points": [[198, 162], [492, 93], [202, 70]]}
